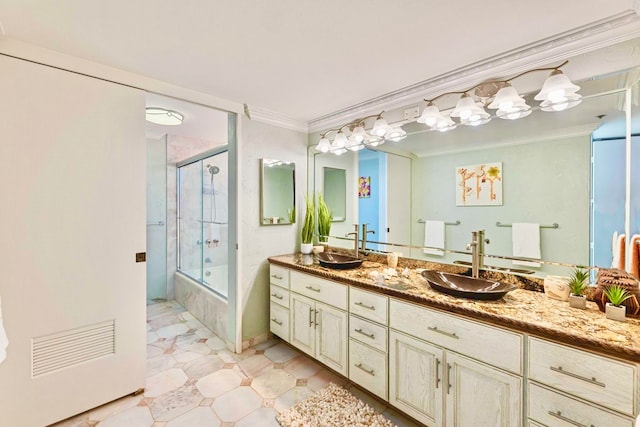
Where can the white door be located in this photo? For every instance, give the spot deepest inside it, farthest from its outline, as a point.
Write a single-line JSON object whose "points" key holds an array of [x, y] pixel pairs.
{"points": [[302, 333], [331, 337], [415, 378], [479, 395], [72, 183]]}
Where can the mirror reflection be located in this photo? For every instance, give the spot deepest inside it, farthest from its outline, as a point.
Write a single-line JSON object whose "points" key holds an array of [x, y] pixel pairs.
{"points": [[335, 192], [547, 178], [277, 192]]}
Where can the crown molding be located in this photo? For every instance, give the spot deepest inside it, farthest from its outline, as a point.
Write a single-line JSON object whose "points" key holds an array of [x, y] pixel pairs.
{"points": [[582, 130], [263, 115], [588, 38]]}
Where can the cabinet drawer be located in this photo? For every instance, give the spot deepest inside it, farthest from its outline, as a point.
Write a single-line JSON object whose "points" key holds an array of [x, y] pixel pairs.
{"points": [[368, 368], [328, 292], [555, 409], [368, 305], [279, 295], [491, 345], [279, 276], [603, 381], [279, 321], [369, 333]]}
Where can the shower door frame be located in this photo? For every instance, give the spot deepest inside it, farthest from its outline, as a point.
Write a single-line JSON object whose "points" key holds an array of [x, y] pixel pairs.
{"points": [[191, 160]]}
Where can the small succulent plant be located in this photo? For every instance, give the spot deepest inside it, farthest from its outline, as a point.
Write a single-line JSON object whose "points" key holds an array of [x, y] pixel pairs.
{"points": [[579, 281], [616, 295]]}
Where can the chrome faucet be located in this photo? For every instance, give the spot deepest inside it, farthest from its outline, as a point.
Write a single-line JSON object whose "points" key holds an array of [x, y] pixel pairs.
{"points": [[364, 236], [477, 252], [355, 239]]}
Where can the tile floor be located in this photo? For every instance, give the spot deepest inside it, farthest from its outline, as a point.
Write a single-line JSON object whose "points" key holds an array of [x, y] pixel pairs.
{"points": [[193, 380]]}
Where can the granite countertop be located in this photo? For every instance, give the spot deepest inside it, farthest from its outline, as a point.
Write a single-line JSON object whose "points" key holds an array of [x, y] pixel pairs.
{"points": [[526, 309]]}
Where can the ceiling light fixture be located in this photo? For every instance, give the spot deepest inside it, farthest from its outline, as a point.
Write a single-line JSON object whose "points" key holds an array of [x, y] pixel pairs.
{"points": [[558, 93], [162, 116]]}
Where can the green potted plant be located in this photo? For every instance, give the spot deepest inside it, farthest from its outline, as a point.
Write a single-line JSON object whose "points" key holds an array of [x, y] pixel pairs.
{"points": [[307, 226], [616, 296], [291, 215], [577, 284], [324, 219]]}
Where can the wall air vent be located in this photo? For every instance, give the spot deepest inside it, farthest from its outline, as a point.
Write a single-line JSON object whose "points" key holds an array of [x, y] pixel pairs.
{"points": [[70, 348]]}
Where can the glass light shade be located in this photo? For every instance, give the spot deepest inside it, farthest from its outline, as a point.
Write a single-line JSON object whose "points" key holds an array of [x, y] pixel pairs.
{"points": [[430, 115], [374, 141], [162, 116], [323, 145], [556, 88], [507, 98], [340, 140], [567, 102], [339, 151], [353, 145], [358, 135], [396, 134], [445, 124], [380, 127], [464, 107], [514, 113]]}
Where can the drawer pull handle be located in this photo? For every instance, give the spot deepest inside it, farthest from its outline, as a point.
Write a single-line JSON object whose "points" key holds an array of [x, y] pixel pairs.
{"points": [[276, 321], [276, 276], [276, 295], [437, 372], [360, 331], [449, 334], [368, 371], [591, 380], [311, 288], [568, 420], [370, 307], [448, 378], [310, 314]]}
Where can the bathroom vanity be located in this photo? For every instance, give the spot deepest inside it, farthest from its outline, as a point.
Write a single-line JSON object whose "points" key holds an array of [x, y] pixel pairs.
{"points": [[524, 360]]}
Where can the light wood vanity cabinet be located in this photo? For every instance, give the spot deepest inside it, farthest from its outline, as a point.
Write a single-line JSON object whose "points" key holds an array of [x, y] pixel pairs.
{"points": [[279, 301], [318, 319], [571, 385], [436, 385]]}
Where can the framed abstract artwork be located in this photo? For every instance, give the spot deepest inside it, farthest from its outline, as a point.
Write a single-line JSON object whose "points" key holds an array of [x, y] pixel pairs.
{"points": [[364, 187], [479, 185]]}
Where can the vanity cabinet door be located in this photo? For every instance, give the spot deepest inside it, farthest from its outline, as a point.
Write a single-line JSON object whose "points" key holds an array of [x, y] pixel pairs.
{"points": [[302, 332], [331, 337], [479, 395], [415, 378]]}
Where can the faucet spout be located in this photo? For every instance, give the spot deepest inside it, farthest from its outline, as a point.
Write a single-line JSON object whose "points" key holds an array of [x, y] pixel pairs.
{"points": [[477, 252], [364, 236], [355, 239]]}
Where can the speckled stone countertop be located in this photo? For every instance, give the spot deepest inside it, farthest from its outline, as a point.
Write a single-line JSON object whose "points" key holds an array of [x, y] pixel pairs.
{"points": [[525, 310]]}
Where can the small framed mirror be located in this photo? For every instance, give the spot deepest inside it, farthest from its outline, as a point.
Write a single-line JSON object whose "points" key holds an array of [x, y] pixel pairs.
{"points": [[335, 192], [277, 192]]}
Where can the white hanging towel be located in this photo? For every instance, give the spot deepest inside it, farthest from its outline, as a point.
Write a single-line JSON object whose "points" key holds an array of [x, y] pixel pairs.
{"points": [[4, 341], [526, 242], [434, 237]]}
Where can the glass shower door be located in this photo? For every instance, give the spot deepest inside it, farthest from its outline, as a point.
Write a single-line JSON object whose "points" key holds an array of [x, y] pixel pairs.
{"points": [[190, 241]]}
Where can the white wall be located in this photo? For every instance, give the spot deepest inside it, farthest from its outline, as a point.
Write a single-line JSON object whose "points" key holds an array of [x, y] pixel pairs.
{"points": [[256, 242]]}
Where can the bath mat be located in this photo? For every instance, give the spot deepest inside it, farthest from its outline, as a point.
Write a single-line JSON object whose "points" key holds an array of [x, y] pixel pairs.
{"points": [[332, 406]]}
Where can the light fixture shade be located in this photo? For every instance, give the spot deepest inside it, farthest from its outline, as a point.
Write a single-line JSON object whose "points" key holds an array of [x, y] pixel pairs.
{"points": [[514, 113], [339, 151], [567, 102], [430, 115], [340, 140], [162, 116], [556, 88], [470, 112], [506, 99], [445, 124], [323, 145], [374, 141], [358, 135], [380, 127], [396, 134]]}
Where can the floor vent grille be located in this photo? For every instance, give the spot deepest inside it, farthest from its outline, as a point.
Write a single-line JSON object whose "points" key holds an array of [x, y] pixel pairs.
{"points": [[65, 349]]}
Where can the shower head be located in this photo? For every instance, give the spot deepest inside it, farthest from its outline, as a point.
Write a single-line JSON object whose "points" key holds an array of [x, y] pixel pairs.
{"points": [[213, 170]]}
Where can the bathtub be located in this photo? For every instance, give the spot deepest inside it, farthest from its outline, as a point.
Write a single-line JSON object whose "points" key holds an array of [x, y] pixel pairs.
{"points": [[215, 278]]}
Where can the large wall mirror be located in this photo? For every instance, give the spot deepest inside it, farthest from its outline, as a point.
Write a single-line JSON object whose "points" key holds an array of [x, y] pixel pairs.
{"points": [[547, 177], [277, 192], [335, 191]]}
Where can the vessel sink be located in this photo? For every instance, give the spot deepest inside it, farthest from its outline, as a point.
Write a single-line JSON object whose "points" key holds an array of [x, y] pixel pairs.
{"points": [[338, 261], [496, 268], [467, 287]]}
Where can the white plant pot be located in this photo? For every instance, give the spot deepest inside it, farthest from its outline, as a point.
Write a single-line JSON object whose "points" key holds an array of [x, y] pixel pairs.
{"points": [[577, 301], [306, 248], [616, 313]]}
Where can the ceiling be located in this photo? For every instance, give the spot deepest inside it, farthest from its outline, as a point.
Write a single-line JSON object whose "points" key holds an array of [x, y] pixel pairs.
{"points": [[303, 59]]}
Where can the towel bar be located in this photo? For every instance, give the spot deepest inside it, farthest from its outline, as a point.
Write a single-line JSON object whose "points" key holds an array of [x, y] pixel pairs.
{"points": [[422, 221], [554, 225]]}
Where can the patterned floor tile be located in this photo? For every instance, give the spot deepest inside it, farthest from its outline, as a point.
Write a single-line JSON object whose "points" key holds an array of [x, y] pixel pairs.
{"points": [[263, 417], [202, 366], [281, 353], [237, 404], [218, 383], [138, 417], [164, 381], [256, 365], [201, 416], [302, 367], [175, 403], [273, 383], [291, 397]]}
